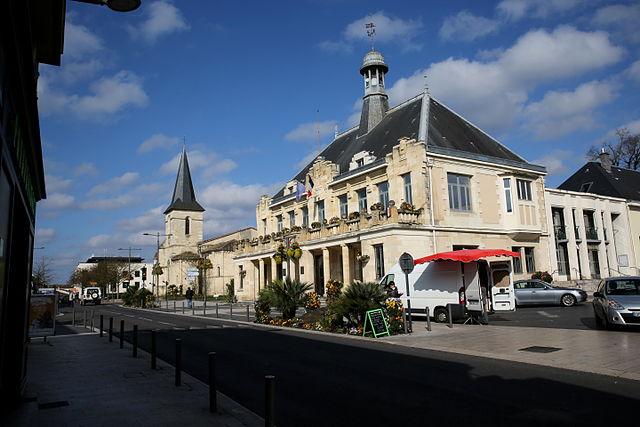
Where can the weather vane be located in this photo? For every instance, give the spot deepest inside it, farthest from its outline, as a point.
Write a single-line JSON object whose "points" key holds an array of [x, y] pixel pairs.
{"points": [[371, 31]]}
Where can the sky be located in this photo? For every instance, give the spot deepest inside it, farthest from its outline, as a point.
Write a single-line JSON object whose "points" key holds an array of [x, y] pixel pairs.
{"points": [[248, 85]]}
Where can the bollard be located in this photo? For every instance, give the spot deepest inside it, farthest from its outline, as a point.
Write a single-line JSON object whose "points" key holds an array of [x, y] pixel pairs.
{"points": [[154, 349], [247, 313], [230, 310], [428, 319], [101, 324], [110, 329], [135, 341], [213, 396], [174, 306], [269, 400], [122, 334], [73, 314], [178, 361], [450, 316], [84, 318], [204, 308], [217, 309], [182, 307], [193, 308]]}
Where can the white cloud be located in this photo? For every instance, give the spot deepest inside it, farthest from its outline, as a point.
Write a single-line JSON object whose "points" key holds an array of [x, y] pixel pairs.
{"points": [[108, 95], [562, 112], [634, 71], [100, 241], [307, 159], [55, 183], [466, 26], [44, 235], [150, 220], [556, 161], [209, 162], [518, 9], [538, 57], [388, 29], [57, 201], [162, 18], [159, 140], [111, 203], [311, 131], [115, 183], [79, 41], [87, 168], [622, 19], [73, 72]]}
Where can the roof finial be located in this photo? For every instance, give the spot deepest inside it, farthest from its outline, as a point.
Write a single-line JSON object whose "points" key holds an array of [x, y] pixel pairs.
{"points": [[371, 32]]}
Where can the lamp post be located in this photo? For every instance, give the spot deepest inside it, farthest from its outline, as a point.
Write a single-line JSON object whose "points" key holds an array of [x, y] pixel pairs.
{"points": [[157, 270], [115, 5]]}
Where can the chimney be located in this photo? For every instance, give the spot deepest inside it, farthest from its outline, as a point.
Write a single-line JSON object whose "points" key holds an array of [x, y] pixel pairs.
{"points": [[605, 160]]}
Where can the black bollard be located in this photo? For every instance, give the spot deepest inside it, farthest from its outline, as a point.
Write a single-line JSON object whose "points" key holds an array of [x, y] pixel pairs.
{"points": [[247, 313], [110, 329], [122, 334], [428, 319], [101, 324], [269, 400], [182, 307], [204, 308], [135, 341], [231, 311], [174, 306], [154, 349], [213, 396], [178, 361], [450, 316], [217, 314]]}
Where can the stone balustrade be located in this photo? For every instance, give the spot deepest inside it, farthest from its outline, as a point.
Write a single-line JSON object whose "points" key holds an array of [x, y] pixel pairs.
{"points": [[333, 228]]}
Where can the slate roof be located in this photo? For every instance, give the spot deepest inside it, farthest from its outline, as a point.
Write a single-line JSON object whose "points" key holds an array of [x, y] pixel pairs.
{"points": [[184, 198], [620, 182], [447, 132]]}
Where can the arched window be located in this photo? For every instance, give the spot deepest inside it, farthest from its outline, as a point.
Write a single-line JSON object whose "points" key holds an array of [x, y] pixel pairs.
{"points": [[187, 225]]}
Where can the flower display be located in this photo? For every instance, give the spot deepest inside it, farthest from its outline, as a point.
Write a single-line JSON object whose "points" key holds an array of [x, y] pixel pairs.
{"points": [[313, 301]]}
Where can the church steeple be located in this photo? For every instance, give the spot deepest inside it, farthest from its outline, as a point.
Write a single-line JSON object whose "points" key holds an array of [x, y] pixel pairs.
{"points": [[375, 102], [184, 198]]}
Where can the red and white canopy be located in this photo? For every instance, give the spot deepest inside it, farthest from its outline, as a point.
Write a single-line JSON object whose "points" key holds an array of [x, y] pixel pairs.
{"points": [[466, 255]]}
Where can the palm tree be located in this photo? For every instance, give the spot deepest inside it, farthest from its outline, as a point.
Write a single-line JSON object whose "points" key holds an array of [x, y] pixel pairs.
{"points": [[287, 295]]}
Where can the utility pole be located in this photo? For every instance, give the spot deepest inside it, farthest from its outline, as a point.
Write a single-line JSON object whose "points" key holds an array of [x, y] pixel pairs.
{"points": [[129, 267]]}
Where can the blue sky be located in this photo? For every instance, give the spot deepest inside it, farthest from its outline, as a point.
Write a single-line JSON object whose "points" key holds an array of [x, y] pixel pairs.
{"points": [[246, 84]]}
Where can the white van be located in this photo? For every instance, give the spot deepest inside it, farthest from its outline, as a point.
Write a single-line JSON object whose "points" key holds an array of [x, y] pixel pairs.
{"points": [[91, 295], [438, 283]]}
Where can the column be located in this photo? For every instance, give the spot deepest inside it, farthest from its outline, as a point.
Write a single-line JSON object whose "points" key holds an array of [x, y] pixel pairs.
{"points": [[346, 266], [306, 262], [584, 255], [261, 278], [326, 264], [274, 269], [369, 268]]}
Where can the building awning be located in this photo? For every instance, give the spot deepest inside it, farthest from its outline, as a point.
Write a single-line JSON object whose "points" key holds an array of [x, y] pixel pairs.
{"points": [[466, 255]]}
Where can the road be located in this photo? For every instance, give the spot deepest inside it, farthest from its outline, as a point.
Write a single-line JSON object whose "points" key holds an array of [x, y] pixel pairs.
{"points": [[336, 381]]}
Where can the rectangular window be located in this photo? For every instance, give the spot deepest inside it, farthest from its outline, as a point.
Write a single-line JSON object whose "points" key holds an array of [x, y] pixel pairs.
{"points": [[507, 194], [344, 207], [408, 194], [383, 192], [305, 216], [529, 260], [379, 260], [292, 218], [279, 222], [524, 189], [264, 226], [320, 210], [459, 192], [362, 199], [517, 261], [241, 277], [359, 163]]}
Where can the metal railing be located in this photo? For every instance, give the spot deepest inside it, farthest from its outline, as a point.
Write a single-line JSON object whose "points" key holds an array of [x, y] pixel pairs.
{"points": [[591, 233], [560, 232]]}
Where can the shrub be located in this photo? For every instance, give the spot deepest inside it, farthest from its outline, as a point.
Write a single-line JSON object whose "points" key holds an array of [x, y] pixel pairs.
{"points": [[312, 302], [359, 298], [263, 306], [230, 295], [542, 275], [136, 297], [394, 312], [286, 296], [333, 290], [172, 291]]}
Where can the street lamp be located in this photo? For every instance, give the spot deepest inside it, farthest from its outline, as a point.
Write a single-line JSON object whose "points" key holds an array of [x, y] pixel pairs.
{"points": [[155, 269], [115, 5]]}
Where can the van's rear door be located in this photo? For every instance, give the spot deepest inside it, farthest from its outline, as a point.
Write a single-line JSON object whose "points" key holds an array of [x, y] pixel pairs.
{"points": [[502, 292]]}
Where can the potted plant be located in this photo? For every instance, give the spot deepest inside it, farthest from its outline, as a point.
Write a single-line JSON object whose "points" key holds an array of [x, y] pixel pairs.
{"points": [[334, 220], [377, 207], [315, 225], [354, 215]]}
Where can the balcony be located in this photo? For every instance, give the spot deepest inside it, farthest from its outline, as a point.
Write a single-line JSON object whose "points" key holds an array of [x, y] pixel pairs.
{"points": [[591, 233], [334, 227], [560, 232]]}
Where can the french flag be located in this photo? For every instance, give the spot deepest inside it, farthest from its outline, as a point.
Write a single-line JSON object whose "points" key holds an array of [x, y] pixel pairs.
{"points": [[309, 186]]}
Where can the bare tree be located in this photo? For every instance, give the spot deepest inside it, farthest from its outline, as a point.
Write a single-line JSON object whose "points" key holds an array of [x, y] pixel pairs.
{"points": [[42, 275], [625, 152], [106, 275]]}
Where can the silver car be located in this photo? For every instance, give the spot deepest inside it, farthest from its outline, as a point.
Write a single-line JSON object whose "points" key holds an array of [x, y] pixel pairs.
{"points": [[617, 302], [534, 291]]}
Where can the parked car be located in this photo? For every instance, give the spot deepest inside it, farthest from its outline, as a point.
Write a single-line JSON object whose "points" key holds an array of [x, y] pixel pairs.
{"points": [[617, 302], [535, 291]]}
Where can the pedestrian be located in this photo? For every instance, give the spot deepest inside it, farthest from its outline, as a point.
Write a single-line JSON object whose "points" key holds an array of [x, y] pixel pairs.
{"points": [[189, 295]]}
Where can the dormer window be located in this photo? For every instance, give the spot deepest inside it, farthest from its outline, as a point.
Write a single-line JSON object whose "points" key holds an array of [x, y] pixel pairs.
{"points": [[361, 159], [359, 163]]}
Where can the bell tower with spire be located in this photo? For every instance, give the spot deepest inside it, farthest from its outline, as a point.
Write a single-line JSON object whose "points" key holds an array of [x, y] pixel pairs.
{"points": [[184, 217], [375, 102]]}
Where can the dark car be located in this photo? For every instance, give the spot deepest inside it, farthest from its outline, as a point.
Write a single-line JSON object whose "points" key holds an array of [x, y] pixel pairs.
{"points": [[534, 291]]}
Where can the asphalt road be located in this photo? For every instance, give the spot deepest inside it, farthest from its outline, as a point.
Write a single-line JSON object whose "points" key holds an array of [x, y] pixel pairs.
{"points": [[336, 381]]}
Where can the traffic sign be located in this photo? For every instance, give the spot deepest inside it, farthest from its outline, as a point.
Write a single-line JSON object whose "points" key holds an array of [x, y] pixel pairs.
{"points": [[406, 263]]}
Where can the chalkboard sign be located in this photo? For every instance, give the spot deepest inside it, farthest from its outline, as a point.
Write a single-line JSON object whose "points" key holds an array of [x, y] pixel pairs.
{"points": [[376, 323]]}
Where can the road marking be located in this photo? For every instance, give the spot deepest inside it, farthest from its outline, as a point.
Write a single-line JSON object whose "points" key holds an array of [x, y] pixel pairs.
{"points": [[179, 329], [167, 323], [129, 315], [545, 314], [144, 318]]}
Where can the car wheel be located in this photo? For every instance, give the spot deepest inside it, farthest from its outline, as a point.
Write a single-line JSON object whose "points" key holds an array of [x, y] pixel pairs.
{"points": [[568, 300], [599, 322], [440, 315]]}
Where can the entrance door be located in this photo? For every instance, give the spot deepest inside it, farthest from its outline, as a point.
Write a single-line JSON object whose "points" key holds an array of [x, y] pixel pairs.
{"points": [[318, 266], [594, 263]]}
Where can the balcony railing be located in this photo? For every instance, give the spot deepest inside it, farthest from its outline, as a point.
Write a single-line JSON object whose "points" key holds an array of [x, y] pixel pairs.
{"points": [[561, 232], [591, 233]]}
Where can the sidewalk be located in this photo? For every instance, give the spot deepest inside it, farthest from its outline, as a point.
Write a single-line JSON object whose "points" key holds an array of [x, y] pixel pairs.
{"points": [[83, 380]]}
